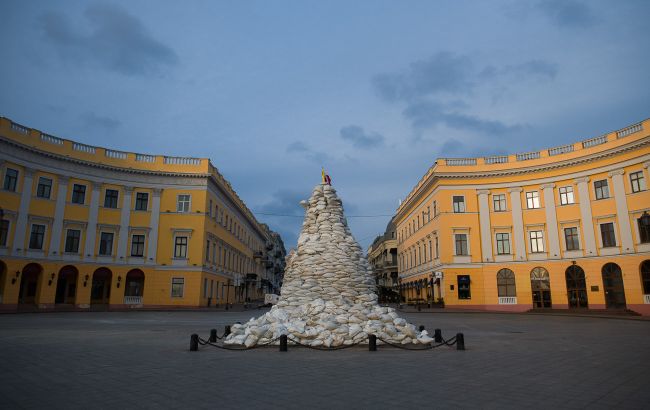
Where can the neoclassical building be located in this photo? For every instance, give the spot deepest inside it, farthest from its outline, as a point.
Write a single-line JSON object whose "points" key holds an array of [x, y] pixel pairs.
{"points": [[89, 227], [382, 257], [561, 228]]}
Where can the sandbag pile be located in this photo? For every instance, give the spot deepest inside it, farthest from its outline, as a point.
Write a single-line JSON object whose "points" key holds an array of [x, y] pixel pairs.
{"points": [[328, 295]]}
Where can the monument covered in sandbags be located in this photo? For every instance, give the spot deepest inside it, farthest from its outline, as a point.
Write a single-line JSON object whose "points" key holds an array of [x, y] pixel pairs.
{"points": [[328, 295]]}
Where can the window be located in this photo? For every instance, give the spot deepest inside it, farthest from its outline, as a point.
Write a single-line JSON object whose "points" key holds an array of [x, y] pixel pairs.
{"points": [[464, 291], [536, 241], [435, 209], [506, 283], [78, 194], [110, 198], [180, 247], [645, 277], [607, 234], [44, 189], [566, 195], [571, 239], [503, 243], [461, 243], [532, 199], [437, 248], [177, 287], [428, 214], [207, 251], [210, 209], [72, 240], [183, 203], [637, 181], [36, 237], [499, 202], [205, 287], [4, 232], [459, 204], [106, 244], [11, 178], [644, 230], [137, 245], [141, 201], [214, 253], [601, 188]]}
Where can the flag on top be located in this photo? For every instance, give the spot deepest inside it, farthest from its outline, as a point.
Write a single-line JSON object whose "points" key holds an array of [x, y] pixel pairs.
{"points": [[326, 178]]}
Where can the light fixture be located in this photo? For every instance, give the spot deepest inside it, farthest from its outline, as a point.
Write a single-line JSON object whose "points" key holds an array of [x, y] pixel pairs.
{"points": [[119, 279]]}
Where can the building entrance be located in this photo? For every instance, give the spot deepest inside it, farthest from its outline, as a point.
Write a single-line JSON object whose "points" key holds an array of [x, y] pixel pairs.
{"points": [[100, 292], [66, 285], [29, 283], [540, 283], [613, 286], [576, 287]]}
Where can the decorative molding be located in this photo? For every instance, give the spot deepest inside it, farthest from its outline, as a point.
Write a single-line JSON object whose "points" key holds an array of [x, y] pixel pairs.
{"points": [[581, 180], [515, 189], [619, 171], [548, 186], [483, 192]]}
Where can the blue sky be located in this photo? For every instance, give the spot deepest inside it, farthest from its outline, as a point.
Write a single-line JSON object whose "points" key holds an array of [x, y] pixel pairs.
{"points": [[374, 91]]}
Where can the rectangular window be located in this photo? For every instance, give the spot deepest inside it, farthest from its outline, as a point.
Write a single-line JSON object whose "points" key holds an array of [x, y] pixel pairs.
{"points": [[4, 232], [532, 199], [644, 230], [205, 287], [110, 198], [571, 239], [566, 195], [137, 245], [178, 285], [428, 213], [637, 181], [461, 243], [503, 243], [44, 189], [210, 209], [36, 237], [435, 208], [607, 234], [601, 189], [499, 202], [214, 253], [183, 204], [536, 241], [106, 244], [464, 284], [207, 251], [437, 248], [72, 240], [180, 247], [78, 194], [459, 204], [11, 179], [141, 201]]}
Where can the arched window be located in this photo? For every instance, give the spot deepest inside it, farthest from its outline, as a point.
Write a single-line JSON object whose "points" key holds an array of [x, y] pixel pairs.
{"points": [[506, 283], [645, 277]]}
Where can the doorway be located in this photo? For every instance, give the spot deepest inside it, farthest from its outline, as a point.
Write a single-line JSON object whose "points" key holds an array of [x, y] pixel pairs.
{"points": [[540, 283], [613, 286], [29, 284], [576, 287], [66, 285], [100, 292]]}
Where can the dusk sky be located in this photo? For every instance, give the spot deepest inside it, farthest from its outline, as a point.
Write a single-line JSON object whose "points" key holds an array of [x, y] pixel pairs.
{"points": [[374, 91]]}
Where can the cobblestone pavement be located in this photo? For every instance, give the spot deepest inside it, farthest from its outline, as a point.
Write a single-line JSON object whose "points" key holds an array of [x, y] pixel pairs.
{"points": [[142, 360]]}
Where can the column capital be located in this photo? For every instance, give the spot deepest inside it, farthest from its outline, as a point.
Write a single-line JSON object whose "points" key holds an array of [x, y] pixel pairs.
{"points": [[63, 179], [97, 185], [483, 192], [515, 189], [29, 172], [157, 192], [128, 189], [619, 171], [646, 164], [582, 180], [548, 186]]}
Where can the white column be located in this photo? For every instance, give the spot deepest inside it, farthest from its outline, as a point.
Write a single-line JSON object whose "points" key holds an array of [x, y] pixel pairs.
{"points": [[585, 215], [57, 225], [625, 229], [551, 222], [23, 211], [125, 217], [517, 223], [484, 221], [91, 231], [153, 223]]}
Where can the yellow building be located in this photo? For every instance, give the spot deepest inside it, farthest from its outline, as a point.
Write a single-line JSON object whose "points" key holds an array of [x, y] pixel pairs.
{"points": [[85, 227], [562, 228]]}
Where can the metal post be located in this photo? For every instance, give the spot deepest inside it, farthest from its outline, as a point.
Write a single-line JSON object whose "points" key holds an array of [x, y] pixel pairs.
{"points": [[283, 343], [194, 342], [437, 336], [213, 335], [460, 341], [227, 331], [372, 343]]}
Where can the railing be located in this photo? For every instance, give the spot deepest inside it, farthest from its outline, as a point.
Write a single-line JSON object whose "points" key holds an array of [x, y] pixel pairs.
{"points": [[629, 130], [560, 150], [507, 300], [182, 161], [132, 300], [83, 148], [592, 142], [51, 139], [115, 154], [497, 159], [527, 156], [19, 128], [460, 161], [145, 158], [646, 299]]}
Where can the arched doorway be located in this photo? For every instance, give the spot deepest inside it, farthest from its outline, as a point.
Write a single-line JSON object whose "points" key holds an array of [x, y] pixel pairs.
{"points": [[30, 281], [576, 287], [134, 288], [3, 277], [66, 285], [540, 283], [613, 286], [101, 287], [645, 280]]}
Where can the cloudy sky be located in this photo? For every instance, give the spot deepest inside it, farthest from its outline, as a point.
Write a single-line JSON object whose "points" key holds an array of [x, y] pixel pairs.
{"points": [[374, 91]]}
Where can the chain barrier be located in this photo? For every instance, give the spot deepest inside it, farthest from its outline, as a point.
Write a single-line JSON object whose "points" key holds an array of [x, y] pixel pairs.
{"points": [[204, 342], [429, 346], [324, 347]]}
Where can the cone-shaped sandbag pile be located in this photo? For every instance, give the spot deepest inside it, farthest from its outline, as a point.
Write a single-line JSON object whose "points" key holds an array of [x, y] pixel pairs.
{"points": [[328, 295]]}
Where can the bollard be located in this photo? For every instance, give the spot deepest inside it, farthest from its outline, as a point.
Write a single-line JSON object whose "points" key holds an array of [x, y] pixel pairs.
{"points": [[213, 335], [227, 331], [372, 343], [283, 343], [437, 336], [460, 341], [421, 328], [194, 342]]}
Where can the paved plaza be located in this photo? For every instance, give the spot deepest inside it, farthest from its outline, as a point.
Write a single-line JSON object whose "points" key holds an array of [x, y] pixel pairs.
{"points": [[142, 360]]}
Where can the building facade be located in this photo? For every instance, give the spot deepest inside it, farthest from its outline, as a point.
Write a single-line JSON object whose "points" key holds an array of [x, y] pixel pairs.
{"points": [[89, 227], [382, 257], [562, 228]]}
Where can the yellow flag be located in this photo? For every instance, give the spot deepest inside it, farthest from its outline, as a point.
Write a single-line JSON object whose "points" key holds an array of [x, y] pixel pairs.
{"points": [[323, 175]]}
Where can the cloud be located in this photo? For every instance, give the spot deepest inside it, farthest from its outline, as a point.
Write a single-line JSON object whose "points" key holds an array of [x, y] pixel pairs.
{"points": [[117, 42], [536, 69], [360, 139], [285, 202], [92, 120], [567, 13], [313, 155]]}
